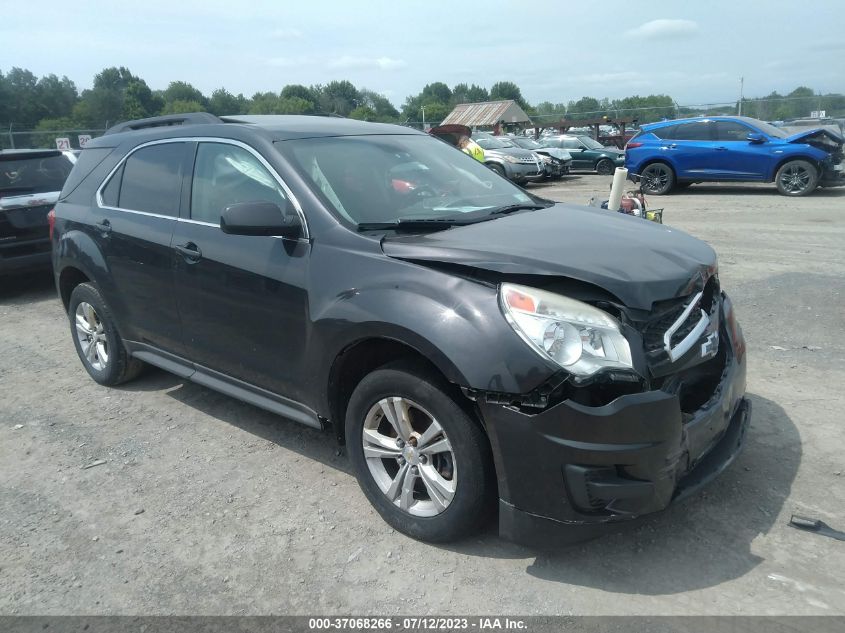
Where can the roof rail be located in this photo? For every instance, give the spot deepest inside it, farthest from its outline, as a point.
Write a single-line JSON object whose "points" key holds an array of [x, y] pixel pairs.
{"points": [[190, 118]]}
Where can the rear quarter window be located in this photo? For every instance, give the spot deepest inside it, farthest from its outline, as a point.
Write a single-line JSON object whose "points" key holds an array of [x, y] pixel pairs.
{"points": [[667, 132], [87, 161]]}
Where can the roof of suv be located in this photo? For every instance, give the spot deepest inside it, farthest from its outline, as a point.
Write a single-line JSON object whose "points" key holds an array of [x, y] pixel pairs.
{"points": [[695, 119], [276, 127]]}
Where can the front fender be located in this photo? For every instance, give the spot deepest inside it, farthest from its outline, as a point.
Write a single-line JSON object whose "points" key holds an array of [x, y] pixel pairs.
{"points": [[454, 322]]}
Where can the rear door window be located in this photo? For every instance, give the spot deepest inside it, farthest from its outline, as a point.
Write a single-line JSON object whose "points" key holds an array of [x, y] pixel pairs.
{"points": [[152, 179], [698, 131]]}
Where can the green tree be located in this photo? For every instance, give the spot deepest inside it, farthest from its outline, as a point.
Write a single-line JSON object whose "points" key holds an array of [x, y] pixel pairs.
{"points": [[56, 97], [264, 103], [380, 105], [182, 91], [224, 102], [181, 106], [23, 108], [507, 90], [300, 92], [337, 97], [462, 93]]}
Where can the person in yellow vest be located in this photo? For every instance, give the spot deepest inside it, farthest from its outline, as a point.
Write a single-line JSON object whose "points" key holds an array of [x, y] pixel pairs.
{"points": [[468, 146]]}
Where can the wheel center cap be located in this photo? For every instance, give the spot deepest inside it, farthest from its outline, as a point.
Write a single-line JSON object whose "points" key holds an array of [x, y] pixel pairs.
{"points": [[410, 454]]}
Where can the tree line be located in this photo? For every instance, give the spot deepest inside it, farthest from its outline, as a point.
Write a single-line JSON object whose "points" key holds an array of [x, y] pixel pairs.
{"points": [[51, 103]]}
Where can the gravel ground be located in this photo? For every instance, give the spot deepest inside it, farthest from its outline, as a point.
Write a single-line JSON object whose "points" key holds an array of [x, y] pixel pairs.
{"points": [[204, 505]]}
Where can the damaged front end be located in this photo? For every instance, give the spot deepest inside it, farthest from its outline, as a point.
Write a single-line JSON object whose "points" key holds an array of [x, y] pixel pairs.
{"points": [[832, 173], [590, 452]]}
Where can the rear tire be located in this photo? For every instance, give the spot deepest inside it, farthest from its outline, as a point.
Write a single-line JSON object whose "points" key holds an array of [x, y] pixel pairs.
{"points": [[657, 179], [434, 485], [97, 340], [604, 167], [796, 178]]}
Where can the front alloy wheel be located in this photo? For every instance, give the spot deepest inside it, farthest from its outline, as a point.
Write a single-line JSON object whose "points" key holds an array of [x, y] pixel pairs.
{"points": [[409, 456], [796, 178], [409, 441], [657, 179]]}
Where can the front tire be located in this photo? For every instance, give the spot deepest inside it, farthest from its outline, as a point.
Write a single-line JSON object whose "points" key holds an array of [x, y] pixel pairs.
{"points": [[422, 462], [498, 169], [97, 340], [796, 178], [657, 179]]}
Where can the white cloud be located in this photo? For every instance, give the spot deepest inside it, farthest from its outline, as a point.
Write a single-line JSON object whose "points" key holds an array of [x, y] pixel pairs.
{"points": [[348, 62], [286, 34], [664, 29]]}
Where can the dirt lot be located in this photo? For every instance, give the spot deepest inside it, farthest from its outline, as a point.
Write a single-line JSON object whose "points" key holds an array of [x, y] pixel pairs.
{"points": [[206, 505]]}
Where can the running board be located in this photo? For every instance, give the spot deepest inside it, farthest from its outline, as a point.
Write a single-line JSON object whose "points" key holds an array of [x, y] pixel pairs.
{"points": [[227, 385]]}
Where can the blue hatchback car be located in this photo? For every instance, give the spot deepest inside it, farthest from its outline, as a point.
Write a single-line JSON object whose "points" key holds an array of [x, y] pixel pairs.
{"points": [[675, 154]]}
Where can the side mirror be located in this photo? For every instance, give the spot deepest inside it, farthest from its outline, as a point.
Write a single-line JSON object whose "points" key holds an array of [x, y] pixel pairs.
{"points": [[260, 218], [754, 137]]}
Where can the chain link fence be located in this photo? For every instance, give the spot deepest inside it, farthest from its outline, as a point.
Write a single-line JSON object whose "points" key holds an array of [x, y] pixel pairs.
{"points": [[25, 139]]}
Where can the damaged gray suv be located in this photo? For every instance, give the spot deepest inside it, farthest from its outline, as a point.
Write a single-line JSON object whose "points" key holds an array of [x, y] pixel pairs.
{"points": [[476, 348]]}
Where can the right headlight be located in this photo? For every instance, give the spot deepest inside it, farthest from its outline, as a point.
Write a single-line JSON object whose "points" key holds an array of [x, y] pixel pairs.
{"points": [[510, 159], [575, 335]]}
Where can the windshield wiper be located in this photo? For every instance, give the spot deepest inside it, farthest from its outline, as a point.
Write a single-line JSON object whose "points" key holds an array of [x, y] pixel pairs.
{"points": [[511, 208], [415, 224]]}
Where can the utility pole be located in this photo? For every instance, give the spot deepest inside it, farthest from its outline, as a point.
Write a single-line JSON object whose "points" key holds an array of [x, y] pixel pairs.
{"points": [[741, 89], [423, 111], [11, 137]]}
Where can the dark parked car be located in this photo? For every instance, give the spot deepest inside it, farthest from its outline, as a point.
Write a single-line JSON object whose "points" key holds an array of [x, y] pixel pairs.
{"points": [[586, 152], [469, 343], [507, 159], [30, 182], [675, 154]]}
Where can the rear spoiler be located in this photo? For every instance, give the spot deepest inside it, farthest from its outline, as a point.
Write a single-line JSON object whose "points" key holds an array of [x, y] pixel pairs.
{"points": [[191, 118]]}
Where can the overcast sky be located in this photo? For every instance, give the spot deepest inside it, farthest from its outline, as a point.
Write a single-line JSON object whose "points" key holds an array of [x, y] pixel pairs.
{"points": [[693, 51]]}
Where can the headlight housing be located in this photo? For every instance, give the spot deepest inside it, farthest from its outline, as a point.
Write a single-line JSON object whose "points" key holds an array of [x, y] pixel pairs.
{"points": [[578, 337]]}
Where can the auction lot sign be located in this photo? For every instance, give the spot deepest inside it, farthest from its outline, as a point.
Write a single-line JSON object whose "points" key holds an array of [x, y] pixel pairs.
{"points": [[529, 624]]}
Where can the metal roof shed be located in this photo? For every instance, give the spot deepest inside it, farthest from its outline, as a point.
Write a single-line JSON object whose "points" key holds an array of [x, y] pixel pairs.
{"points": [[486, 113]]}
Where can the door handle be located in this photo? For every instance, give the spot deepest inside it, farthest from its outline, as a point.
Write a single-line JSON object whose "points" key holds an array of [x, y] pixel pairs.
{"points": [[190, 251], [721, 149], [104, 227]]}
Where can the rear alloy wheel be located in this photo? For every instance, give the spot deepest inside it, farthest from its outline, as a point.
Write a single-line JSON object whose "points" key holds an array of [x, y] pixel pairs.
{"points": [[96, 339], [657, 179], [420, 459], [796, 178], [604, 167]]}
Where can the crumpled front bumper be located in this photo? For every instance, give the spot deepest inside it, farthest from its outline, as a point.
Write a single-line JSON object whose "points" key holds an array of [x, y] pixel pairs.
{"points": [[587, 468]]}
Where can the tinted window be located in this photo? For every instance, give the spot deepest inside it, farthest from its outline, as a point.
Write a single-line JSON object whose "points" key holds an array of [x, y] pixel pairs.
{"points": [[111, 191], [21, 175], [698, 131], [667, 132], [86, 162], [571, 143], [152, 179], [731, 131], [225, 174]]}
